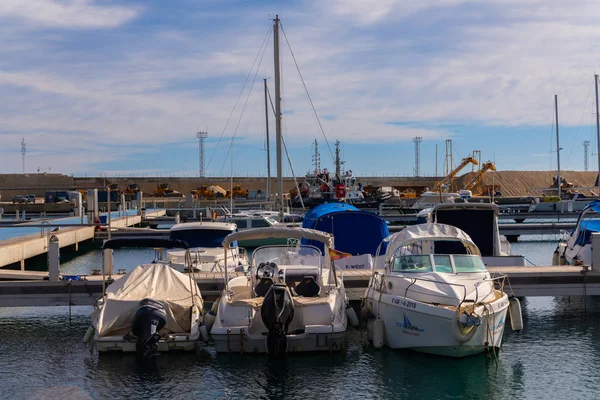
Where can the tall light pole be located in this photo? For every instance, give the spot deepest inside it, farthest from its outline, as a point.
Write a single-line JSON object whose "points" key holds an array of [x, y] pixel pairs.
{"points": [[23, 151], [201, 136]]}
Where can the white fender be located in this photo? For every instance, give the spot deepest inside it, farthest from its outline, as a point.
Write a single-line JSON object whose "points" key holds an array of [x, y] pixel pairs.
{"points": [[209, 320], [204, 333], [378, 333], [370, 323], [352, 318], [516, 316], [462, 334], [89, 334]]}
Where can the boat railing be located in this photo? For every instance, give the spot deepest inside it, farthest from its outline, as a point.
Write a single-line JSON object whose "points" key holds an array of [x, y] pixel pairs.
{"points": [[413, 279]]}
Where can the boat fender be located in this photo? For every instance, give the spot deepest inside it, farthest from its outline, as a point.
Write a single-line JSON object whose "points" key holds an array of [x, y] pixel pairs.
{"points": [[204, 333], [365, 312], [461, 332], [516, 316], [89, 334], [352, 318], [378, 333], [209, 320], [555, 257], [370, 323]]}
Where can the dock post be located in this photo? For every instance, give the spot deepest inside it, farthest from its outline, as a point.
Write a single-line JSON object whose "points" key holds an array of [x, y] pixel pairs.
{"points": [[17, 215], [177, 218], [53, 258], [139, 199]]}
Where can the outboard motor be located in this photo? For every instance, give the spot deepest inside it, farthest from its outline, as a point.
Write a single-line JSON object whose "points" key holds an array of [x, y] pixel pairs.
{"points": [[150, 317], [277, 312]]}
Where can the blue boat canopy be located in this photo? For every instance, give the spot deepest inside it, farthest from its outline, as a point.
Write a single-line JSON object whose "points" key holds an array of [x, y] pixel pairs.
{"points": [[588, 226], [354, 231]]}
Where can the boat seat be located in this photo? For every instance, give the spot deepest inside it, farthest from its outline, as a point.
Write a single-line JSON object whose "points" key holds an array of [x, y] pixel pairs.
{"points": [[308, 287], [263, 286], [293, 276]]}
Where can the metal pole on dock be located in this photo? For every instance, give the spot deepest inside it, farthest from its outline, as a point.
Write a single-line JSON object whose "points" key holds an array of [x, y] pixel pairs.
{"points": [[108, 215], [278, 116], [557, 148], [597, 128]]}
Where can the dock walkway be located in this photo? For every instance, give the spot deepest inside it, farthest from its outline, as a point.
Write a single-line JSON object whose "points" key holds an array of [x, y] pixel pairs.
{"points": [[28, 288]]}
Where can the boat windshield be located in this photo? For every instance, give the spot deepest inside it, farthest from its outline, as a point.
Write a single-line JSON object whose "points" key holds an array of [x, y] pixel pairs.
{"points": [[202, 237], [438, 263], [468, 263], [284, 255], [412, 263]]}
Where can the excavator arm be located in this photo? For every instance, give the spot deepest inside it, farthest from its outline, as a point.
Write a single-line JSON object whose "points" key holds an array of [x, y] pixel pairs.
{"points": [[448, 179], [479, 175]]}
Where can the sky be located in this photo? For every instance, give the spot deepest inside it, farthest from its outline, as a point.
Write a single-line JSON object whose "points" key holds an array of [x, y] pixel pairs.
{"points": [[120, 88]]}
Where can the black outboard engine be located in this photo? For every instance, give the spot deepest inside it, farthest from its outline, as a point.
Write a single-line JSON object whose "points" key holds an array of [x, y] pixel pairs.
{"points": [[150, 317], [277, 312]]}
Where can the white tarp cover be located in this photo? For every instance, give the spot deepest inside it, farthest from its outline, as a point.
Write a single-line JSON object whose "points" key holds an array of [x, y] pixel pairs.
{"points": [[428, 232], [154, 281], [279, 232]]}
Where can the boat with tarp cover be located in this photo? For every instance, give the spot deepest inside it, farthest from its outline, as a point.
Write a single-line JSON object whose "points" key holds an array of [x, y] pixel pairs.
{"points": [[358, 234], [575, 248]]}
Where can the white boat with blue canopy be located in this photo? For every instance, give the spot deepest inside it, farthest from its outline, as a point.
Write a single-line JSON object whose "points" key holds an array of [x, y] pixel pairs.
{"points": [[292, 299], [575, 248], [432, 301], [357, 233]]}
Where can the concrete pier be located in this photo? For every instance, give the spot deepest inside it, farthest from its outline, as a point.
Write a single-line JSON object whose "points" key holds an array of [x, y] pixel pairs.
{"points": [[19, 248]]}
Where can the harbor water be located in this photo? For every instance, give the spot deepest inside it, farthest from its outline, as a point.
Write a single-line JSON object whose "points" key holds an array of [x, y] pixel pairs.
{"points": [[554, 357]]}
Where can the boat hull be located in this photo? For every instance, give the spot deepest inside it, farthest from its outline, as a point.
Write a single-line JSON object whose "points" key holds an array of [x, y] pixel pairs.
{"points": [[433, 329], [243, 343], [120, 344]]}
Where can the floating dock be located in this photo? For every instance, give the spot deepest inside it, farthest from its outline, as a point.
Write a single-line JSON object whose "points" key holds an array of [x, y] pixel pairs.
{"points": [[28, 288]]}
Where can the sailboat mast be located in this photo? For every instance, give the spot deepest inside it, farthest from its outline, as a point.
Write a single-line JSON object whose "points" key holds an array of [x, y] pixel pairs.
{"points": [[557, 147], [338, 164], [268, 145], [278, 116], [597, 127]]}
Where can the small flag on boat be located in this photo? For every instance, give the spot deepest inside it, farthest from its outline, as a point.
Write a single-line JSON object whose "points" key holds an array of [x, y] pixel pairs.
{"points": [[336, 254]]}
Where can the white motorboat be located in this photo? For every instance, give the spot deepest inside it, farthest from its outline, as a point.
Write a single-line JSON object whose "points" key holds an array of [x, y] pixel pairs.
{"points": [[432, 199], [251, 220], [292, 300], [575, 248], [433, 302], [151, 309], [206, 250]]}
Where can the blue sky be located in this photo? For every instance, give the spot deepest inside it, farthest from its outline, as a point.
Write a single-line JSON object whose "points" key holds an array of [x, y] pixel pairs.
{"points": [[120, 87]]}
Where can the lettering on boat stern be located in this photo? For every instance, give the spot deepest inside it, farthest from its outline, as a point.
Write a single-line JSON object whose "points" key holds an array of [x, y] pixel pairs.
{"points": [[408, 328]]}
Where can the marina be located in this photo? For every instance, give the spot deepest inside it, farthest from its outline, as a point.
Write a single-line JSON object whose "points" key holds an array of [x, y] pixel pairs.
{"points": [[151, 258]]}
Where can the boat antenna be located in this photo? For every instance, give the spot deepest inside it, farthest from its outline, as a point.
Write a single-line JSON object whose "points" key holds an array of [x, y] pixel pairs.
{"points": [[597, 128]]}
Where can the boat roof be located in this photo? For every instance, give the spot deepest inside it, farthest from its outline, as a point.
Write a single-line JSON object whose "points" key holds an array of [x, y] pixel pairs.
{"points": [[355, 231], [279, 232], [208, 225], [429, 232], [594, 206]]}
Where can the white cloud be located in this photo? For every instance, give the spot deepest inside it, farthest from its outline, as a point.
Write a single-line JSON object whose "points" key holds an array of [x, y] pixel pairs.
{"points": [[67, 13]]}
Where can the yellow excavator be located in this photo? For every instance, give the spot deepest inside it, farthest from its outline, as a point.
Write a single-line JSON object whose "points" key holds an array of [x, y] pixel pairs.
{"points": [[164, 190], [447, 183], [475, 182]]}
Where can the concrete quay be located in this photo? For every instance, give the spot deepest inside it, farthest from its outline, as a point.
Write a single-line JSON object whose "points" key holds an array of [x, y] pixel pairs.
{"points": [[17, 249]]}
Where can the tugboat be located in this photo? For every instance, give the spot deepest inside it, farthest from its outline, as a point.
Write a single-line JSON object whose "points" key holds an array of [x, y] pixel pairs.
{"points": [[321, 186]]}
